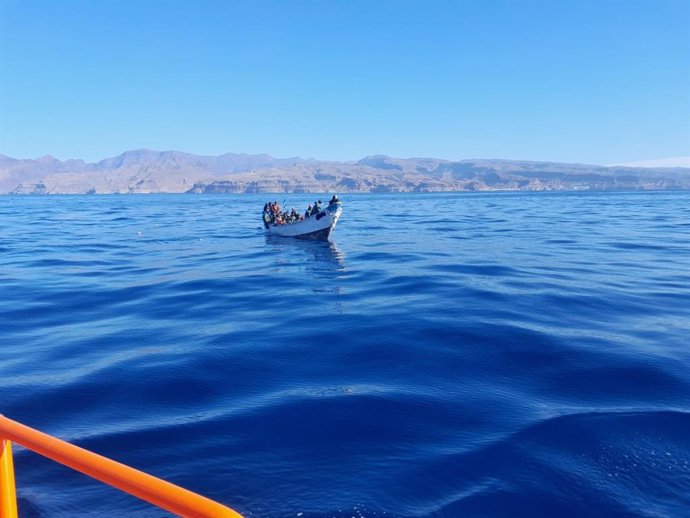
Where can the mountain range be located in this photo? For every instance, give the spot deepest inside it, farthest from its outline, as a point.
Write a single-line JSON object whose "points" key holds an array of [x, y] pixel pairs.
{"points": [[149, 171]]}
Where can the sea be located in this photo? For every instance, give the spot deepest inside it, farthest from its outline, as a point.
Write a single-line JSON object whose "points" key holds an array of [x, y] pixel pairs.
{"points": [[445, 355]]}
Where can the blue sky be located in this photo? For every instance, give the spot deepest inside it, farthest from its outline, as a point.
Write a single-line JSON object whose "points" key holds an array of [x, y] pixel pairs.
{"points": [[576, 81]]}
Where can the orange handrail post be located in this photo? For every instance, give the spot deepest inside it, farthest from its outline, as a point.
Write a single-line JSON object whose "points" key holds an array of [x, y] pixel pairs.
{"points": [[154, 490], [8, 496]]}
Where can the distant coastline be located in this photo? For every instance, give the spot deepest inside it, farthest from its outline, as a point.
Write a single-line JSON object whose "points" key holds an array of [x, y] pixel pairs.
{"points": [[148, 171]]}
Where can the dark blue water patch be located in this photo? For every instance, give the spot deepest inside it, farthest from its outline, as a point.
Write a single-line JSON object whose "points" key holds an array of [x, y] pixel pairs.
{"points": [[642, 246], [379, 257], [444, 230], [593, 306], [610, 383], [591, 454], [63, 263], [94, 248], [490, 270], [560, 241], [410, 285], [452, 222]]}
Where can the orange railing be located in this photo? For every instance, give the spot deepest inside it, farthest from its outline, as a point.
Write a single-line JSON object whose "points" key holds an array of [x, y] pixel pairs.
{"points": [[154, 490]]}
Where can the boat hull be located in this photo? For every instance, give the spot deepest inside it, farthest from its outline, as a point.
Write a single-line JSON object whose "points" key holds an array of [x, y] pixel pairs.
{"points": [[318, 227]]}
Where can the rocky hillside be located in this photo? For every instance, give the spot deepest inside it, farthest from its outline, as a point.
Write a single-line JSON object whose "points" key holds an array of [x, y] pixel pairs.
{"points": [[147, 171]]}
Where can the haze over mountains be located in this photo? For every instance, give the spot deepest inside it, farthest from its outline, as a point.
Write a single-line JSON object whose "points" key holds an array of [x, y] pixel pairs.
{"points": [[149, 171]]}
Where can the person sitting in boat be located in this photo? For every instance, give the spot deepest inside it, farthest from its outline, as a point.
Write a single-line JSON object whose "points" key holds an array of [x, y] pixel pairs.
{"points": [[316, 208], [308, 213], [294, 216], [334, 200]]}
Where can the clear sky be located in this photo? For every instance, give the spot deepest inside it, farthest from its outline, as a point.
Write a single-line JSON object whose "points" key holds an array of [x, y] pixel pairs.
{"points": [[593, 81]]}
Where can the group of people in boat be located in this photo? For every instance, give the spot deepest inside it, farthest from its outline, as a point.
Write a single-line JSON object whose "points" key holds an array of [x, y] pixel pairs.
{"points": [[273, 215]]}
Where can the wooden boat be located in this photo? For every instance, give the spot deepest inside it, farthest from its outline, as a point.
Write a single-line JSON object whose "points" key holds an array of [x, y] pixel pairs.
{"points": [[318, 226]]}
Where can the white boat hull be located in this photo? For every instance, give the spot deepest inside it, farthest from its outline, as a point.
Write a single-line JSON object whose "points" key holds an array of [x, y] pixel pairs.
{"points": [[317, 227]]}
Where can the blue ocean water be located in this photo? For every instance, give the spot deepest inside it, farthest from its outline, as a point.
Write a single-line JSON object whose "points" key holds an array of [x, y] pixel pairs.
{"points": [[447, 355]]}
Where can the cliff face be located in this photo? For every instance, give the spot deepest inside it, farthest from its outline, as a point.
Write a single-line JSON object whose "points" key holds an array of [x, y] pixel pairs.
{"points": [[146, 171]]}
